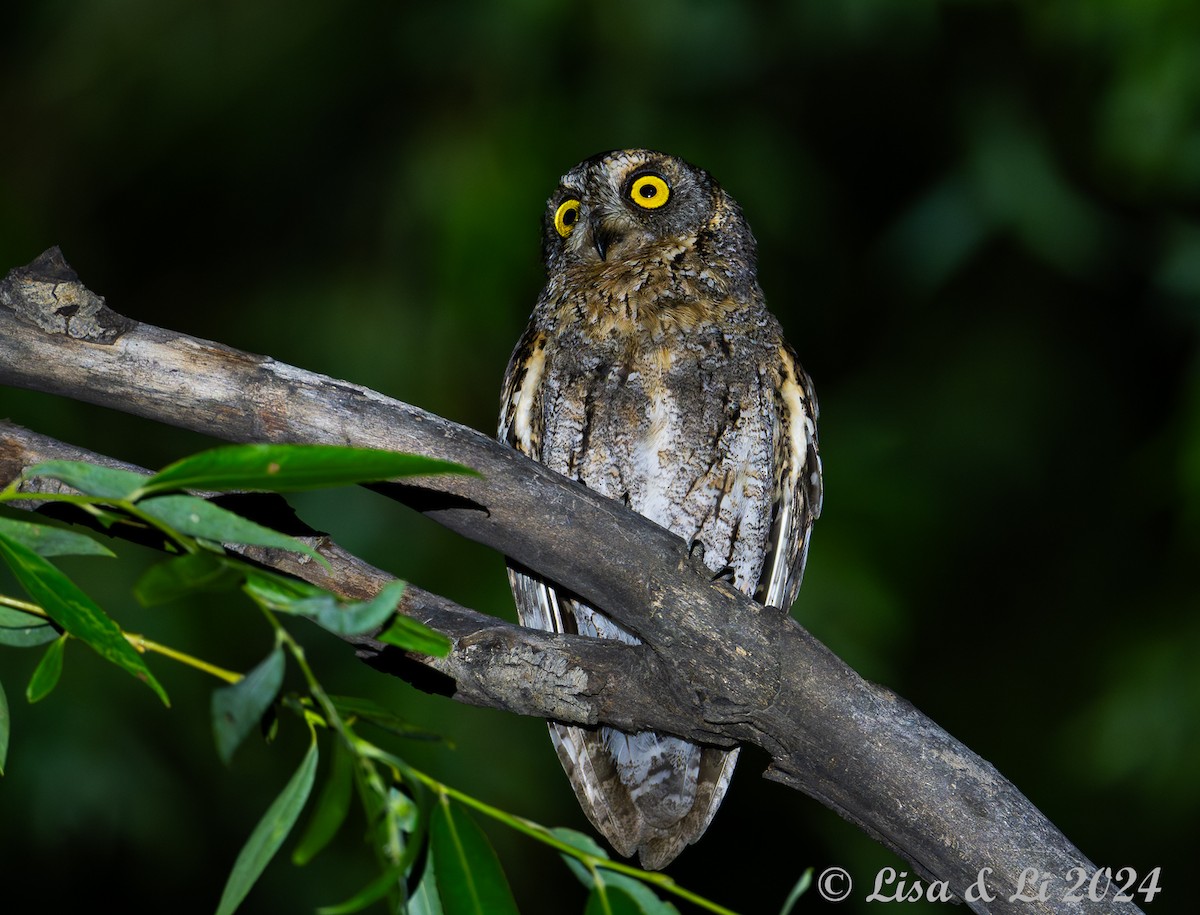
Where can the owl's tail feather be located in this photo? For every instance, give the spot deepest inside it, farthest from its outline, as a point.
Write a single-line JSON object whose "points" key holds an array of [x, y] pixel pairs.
{"points": [[648, 794]]}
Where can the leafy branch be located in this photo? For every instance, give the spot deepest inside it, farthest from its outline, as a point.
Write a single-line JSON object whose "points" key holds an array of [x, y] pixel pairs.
{"points": [[415, 820]]}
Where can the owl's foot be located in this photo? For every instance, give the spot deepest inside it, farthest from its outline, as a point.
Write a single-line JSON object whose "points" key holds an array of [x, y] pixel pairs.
{"points": [[725, 574]]}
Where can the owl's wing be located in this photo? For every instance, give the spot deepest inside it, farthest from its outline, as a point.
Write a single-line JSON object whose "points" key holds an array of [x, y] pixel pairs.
{"points": [[798, 486], [589, 769], [521, 427], [520, 424], [649, 794]]}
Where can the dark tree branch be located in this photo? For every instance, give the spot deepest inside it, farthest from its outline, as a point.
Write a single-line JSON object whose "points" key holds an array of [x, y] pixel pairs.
{"points": [[493, 663], [719, 667]]}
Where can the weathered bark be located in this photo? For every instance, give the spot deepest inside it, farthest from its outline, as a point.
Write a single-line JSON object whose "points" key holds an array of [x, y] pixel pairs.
{"points": [[716, 666], [493, 663]]}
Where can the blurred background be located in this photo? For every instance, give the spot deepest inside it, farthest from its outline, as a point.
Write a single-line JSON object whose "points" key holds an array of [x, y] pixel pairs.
{"points": [[978, 223]]}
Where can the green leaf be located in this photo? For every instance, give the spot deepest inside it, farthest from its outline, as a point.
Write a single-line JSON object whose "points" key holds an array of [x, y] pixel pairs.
{"points": [[323, 608], [25, 630], [104, 517], [278, 592], [470, 880], [612, 901], [91, 479], [238, 708], [52, 541], [584, 843], [385, 883], [639, 892], [288, 468], [269, 834], [413, 635], [401, 810], [351, 618], [190, 573], [74, 611], [424, 900], [397, 822], [197, 517], [332, 806], [5, 724], [641, 895], [798, 890], [371, 711], [46, 674]]}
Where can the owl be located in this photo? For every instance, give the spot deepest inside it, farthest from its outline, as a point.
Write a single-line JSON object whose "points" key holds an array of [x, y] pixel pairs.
{"points": [[652, 372]]}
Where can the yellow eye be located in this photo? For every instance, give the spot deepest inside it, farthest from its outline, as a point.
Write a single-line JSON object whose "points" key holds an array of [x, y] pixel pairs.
{"points": [[649, 191], [566, 216]]}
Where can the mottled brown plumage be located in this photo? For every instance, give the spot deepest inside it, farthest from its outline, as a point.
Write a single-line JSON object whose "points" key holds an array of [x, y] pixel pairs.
{"points": [[652, 371]]}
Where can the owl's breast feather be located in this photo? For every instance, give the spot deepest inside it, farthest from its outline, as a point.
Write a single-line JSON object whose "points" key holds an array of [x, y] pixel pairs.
{"points": [[683, 434], [648, 294]]}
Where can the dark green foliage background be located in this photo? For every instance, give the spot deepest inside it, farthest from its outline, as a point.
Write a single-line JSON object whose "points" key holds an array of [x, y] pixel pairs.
{"points": [[978, 223]]}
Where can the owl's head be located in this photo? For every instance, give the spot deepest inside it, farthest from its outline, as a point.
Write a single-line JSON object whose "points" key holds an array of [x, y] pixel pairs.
{"points": [[630, 205]]}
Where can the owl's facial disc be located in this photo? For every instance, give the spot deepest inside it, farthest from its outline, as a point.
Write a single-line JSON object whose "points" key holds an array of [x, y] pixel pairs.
{"points": [[626, 205], [645, 191], [593, 232]]}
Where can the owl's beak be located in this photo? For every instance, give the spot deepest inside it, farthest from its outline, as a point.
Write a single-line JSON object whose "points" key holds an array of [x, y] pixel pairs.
{"points": [[603, 236]]}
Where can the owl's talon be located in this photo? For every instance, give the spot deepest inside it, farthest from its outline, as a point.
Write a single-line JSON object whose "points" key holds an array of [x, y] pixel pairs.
{"points": [[725, 573]]}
